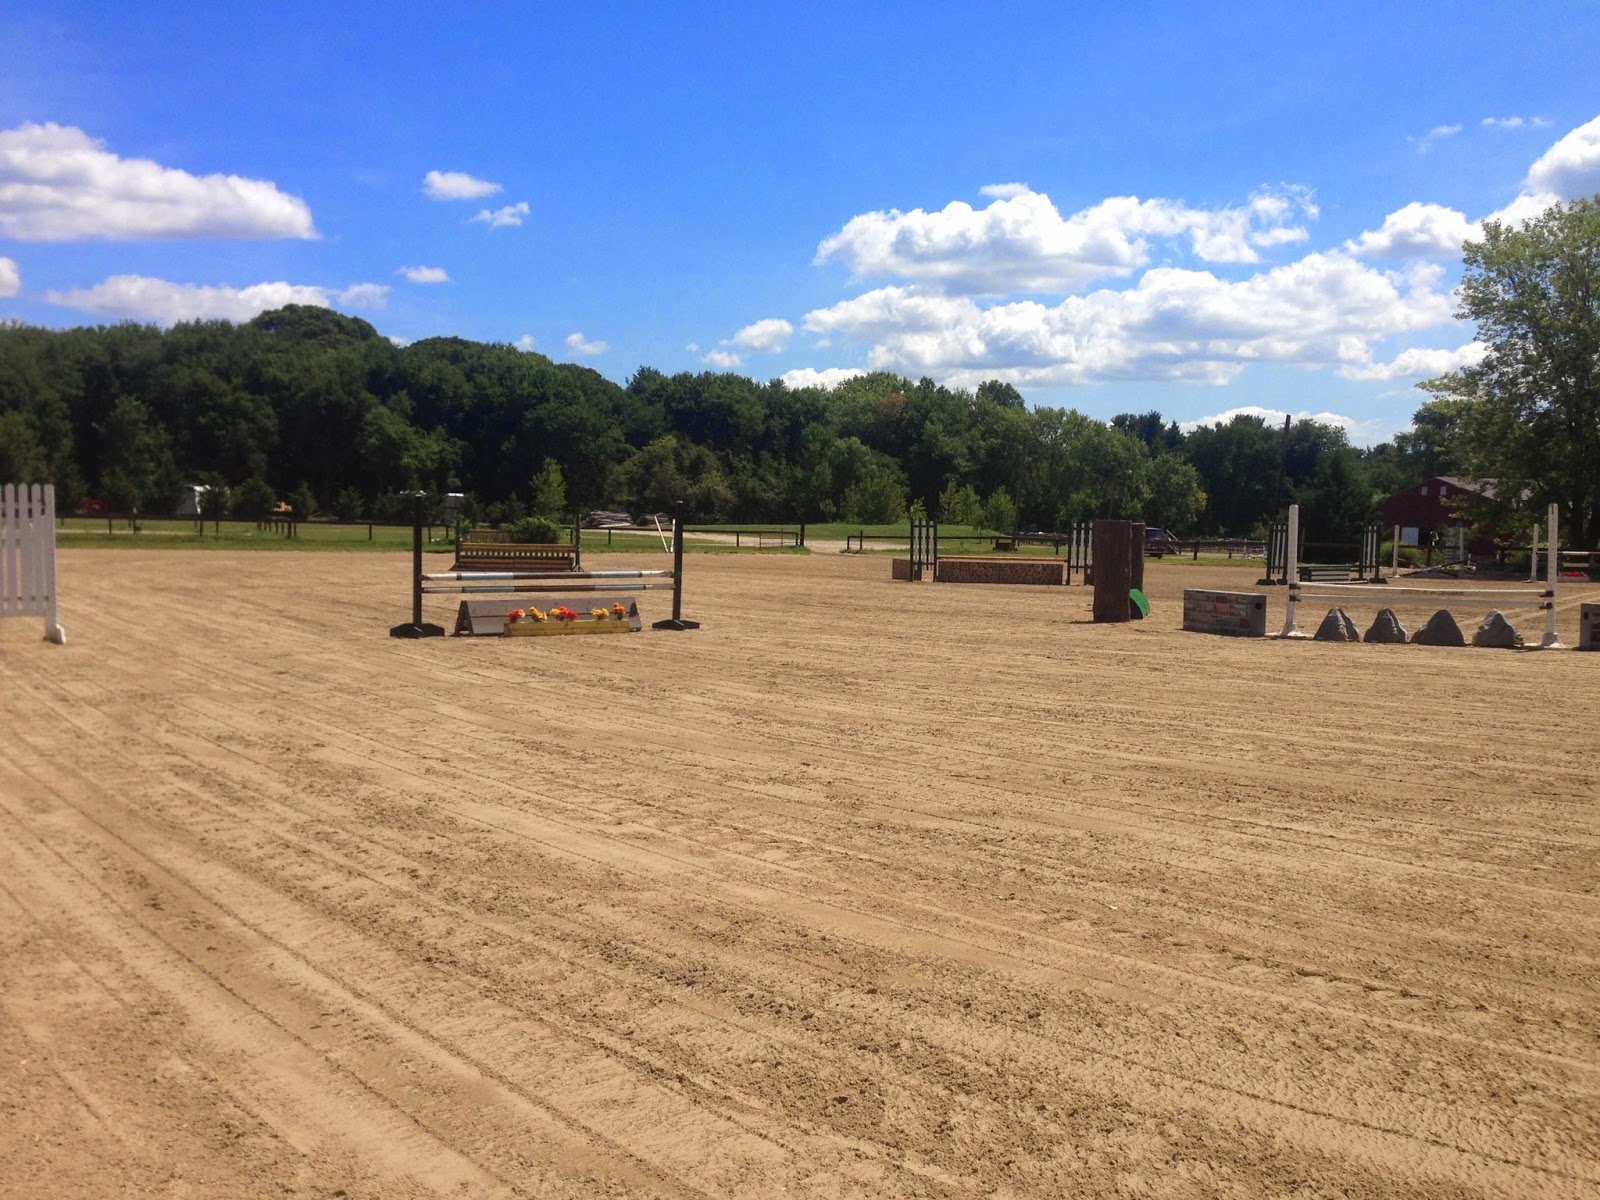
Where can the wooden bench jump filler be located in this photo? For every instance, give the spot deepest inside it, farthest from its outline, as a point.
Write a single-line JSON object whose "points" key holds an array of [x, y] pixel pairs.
{"points": [[489, 556]]}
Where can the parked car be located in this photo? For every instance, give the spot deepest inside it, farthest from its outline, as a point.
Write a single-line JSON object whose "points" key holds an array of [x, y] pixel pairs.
{"points": [[1158, 541]]}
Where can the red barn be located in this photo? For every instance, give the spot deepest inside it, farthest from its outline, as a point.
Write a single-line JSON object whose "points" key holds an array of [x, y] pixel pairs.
{"points": [[1439, 505]]}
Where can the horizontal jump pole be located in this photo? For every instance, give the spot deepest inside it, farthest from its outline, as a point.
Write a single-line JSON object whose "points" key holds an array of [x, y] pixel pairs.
{"points": [[499, 589], [501, 576], [1329, 590]]}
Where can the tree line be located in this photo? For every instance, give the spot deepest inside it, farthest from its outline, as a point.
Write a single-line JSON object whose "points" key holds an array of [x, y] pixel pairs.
{"points": [[316, 407]]}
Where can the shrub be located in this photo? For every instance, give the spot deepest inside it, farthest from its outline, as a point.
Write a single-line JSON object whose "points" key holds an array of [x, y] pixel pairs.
{"points": [[536, 529]]}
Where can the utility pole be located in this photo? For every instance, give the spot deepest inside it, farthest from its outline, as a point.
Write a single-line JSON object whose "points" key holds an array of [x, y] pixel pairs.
{"points": [[1283, 459]]}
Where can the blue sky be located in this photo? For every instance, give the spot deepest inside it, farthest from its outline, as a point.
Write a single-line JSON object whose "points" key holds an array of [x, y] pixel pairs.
{"points": [[1190, 208]]}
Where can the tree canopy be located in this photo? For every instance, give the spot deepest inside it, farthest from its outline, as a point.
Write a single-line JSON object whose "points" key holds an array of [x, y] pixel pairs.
{"points": [[1528, 414], [311, 406]]}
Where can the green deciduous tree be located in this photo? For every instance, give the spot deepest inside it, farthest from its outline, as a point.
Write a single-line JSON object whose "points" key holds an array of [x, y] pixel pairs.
{"points": [[1174, 497], [959, 504], [138, 473], [1529, 412], [1000, 512], [549, 491], [22, 458]]}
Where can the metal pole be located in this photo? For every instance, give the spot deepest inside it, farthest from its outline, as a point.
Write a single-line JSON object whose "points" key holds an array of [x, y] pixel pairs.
{"points": [[417, 628], [677, 621]]}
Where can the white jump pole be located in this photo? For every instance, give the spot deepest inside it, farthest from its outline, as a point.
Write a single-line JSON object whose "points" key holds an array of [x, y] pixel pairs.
{"points": [[1552, 573], [1394, 568], [1533, 557], [1291, 576]]}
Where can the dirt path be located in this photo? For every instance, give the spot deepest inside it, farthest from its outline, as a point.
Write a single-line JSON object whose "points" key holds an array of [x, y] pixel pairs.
{"points": [[864, 889]]}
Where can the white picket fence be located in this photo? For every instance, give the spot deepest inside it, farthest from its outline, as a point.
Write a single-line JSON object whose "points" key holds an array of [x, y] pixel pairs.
{"points": [[28, 555]]}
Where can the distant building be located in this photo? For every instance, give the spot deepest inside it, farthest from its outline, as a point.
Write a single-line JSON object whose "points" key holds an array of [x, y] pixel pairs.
{"points": [[191, 499], [1439, 511]]}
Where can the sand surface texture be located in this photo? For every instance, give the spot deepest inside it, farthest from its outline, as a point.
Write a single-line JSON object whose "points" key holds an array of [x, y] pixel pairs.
{"points": [[863, 889]]}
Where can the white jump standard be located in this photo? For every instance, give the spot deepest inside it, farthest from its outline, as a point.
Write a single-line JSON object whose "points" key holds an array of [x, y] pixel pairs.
{"points": [[1395, 594], [28, 555]]}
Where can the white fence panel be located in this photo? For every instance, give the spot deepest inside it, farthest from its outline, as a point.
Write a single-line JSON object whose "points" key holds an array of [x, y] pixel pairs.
{"points": [[28, 555]]}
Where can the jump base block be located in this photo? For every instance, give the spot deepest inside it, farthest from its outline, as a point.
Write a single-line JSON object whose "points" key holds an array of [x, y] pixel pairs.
{"points": [[1589, 627], [554, 628], [487, 618], [1236, 614]]}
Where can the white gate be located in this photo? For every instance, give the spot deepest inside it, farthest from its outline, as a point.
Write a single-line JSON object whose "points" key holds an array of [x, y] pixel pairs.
{"points": [[28, 555]]}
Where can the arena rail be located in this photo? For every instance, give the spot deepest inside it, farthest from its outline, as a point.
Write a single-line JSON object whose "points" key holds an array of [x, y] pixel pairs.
{"points": [[1395, 593], [28, 555]]}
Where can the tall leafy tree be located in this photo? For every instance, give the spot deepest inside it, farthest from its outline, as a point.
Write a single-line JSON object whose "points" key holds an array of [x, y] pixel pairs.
{"points": [[138, 473], [1530, 411]]}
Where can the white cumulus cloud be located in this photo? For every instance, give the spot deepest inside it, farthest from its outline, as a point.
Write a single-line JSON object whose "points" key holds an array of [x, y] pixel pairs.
{"points": [[723, 360], [425, 274], [456, 185], [579, 344], [1417, 231], [1175, 324], [503, 218], [1438, 132], [10, 278], [141, 298], [1359, 432], [827, 378], [363, 295], [1417, 363], [765, 337], [1514, 122], [1571, 167], [57, 184], [1566, 171], [1020, 242], [525, 343]]}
